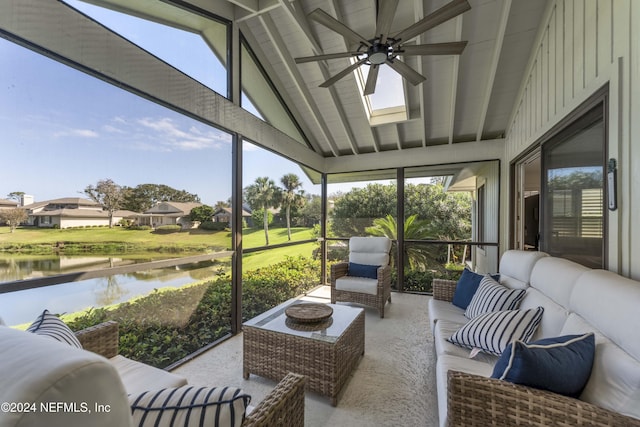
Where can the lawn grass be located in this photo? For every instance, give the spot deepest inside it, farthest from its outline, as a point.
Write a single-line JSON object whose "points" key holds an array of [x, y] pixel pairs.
{"points": [[255, 260], [193, 240]]}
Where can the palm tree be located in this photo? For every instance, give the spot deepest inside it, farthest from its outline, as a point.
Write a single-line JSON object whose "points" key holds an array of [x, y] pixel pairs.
{"points": [[414, 228], [263, 194], [290, 196]]}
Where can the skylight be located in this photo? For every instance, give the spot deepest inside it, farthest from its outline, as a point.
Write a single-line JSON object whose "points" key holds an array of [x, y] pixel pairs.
{"points": [[388, 104]]}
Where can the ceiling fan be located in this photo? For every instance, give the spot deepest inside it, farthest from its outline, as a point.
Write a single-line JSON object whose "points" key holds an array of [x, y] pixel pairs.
{"points": [[385, 48]]}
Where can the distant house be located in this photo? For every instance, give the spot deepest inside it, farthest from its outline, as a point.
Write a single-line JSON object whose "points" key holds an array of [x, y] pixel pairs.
{"points": [[169, 213], [70, 212], [224, 215], [6, 205]]}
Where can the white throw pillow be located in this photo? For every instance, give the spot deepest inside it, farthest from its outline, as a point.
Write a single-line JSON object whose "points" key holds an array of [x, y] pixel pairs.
{"points": [[492, 296], [492, 332], [189, 405], [49, 325]]}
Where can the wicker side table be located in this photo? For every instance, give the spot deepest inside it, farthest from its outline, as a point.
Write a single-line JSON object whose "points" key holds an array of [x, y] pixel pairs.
{"points": [[325, 353]]}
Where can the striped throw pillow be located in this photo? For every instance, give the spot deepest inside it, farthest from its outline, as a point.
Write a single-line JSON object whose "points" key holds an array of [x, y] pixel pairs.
{"points": [[492, 296], [49, 325], [493, 332], [190, 406]]}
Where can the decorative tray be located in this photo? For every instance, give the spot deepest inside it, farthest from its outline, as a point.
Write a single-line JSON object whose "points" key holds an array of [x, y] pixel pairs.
{"points": [[308, 312]]}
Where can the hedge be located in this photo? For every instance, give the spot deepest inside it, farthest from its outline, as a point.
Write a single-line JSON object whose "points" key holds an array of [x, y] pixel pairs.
{"points": [[167, 325]]}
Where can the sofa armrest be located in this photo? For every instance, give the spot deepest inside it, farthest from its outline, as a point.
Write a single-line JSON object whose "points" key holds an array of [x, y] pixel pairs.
{"points": [[338, 270], [283, 406], [101, 338], [473, 400], [443, 289]]}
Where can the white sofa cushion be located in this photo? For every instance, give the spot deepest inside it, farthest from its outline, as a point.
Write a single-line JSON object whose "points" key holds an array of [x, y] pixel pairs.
{"points": [[610, 302], [515, 267], [614, 383], [189, 405], [357, 284], [369, 250], [138, 377], [554, 314], [492, 332], [444, 310], [446, 363], [49, 325], [556, 277], [492, 296], [38, 371]]}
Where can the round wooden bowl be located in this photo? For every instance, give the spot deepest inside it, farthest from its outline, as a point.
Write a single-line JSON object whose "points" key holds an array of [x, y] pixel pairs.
{"points": [[308, 312]]}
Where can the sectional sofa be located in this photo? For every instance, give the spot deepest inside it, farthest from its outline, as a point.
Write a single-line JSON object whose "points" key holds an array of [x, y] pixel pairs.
{"points": [[576, 300], [49, 381]]}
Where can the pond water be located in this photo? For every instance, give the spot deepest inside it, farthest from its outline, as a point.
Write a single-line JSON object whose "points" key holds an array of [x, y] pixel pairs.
{"points": [[24, 306]]}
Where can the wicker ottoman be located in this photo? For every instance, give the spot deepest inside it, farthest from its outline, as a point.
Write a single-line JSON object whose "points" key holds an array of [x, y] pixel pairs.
{"points": [[326, 353]]}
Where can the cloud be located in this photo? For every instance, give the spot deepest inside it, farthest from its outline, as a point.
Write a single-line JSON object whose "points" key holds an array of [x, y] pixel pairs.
{"points": [[167, 134], [81, 133]]}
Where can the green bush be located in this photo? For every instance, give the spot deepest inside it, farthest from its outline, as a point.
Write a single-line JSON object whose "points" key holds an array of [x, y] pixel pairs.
{"points": [[166, 326], [213, 226], [421, 281], [139, 227], [168, 228]]}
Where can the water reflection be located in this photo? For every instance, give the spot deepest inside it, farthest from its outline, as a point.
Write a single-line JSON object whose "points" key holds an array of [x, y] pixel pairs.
{"points": [[23, 306]]}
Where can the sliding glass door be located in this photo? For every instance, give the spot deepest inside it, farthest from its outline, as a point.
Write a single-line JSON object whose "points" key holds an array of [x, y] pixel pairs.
{"points": [[573, 190]]}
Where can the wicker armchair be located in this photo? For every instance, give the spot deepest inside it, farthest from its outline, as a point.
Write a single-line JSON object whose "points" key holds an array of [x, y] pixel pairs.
{"points": [[371, 251], [282, 407]]}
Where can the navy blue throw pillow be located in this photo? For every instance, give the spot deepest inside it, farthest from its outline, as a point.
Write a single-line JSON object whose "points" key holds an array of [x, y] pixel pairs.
{"points": [[467, 286], [561, 364], [363, 270]]}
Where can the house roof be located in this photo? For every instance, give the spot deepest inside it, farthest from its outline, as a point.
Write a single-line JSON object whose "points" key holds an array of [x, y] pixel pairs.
{"points": [[85, 213], [229, 211], [5, 203], [166, 208], [79, 201]]}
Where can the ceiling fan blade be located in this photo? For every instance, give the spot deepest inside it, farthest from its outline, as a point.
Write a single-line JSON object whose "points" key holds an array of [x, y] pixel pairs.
{"points": [[372, 78], [445, 13], [452, 48], [327, 56], [386, 12], [342, 73], [322, 17], [407, 72]]}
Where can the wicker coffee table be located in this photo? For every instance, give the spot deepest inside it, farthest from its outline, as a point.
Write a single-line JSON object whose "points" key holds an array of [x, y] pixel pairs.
{"points": [[325, 352]]}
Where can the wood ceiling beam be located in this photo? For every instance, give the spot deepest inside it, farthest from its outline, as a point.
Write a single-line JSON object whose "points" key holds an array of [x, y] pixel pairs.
{"points": [[300, 85], [497, 49], [247, 9], [454, 84], [418, 11]]}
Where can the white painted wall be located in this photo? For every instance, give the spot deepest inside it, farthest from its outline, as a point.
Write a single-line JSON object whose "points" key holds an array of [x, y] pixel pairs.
{"points": [[581, 46], [485, 260]]}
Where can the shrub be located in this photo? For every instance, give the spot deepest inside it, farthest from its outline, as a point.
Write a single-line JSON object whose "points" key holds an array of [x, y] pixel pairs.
{"points": [[214, 226], [168, 325], [139, 227], [168, 228]]}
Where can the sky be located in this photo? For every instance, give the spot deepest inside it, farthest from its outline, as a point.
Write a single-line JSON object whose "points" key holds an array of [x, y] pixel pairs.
{"points": [[63, 130]]}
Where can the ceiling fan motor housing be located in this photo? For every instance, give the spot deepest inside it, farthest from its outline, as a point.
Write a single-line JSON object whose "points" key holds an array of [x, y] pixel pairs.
{"points": [[378, 53]]}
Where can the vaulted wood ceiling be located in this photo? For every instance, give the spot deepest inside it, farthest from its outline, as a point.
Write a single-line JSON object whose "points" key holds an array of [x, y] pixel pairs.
{"points": [[465, 98]]}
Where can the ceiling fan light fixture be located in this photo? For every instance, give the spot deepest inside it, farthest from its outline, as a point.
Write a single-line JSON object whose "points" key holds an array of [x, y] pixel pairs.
{"points": [[378, 53]]}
